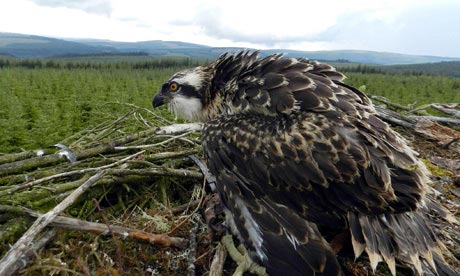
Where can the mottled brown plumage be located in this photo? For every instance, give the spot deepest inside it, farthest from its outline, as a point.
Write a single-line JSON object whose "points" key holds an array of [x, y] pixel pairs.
{"points": [[301, 157]]}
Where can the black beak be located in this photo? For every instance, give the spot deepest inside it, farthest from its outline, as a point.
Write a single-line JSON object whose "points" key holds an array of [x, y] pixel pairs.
{"points": [[158, 100]]}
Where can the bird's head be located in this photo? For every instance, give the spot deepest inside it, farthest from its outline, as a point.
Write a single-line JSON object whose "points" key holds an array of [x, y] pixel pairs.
{"points": [[187, 94]]}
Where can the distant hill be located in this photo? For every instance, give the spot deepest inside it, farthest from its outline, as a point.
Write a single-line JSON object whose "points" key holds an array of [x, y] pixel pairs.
{"points": [[443, 68], [447, 68], [32, 46], [37, 46], [365, 57], [158, 47]]}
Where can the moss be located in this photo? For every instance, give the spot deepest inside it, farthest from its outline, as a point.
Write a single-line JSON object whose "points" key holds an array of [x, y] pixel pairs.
{"points": [[436, 170], [10, 231]]}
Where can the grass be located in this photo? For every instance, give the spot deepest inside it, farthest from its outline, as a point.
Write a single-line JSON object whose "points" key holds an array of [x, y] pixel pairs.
{"points": [[409, 89], [41, 106]]}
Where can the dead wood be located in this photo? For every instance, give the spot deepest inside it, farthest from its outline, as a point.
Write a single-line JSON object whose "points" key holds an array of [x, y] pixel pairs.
{"points": [[218, 261], [18, 250], [30, 252], [157, 155], [426, 127]]}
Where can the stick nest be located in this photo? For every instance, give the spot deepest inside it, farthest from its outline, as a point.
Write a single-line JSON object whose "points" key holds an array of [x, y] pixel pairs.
{"points": [[141, 212]]}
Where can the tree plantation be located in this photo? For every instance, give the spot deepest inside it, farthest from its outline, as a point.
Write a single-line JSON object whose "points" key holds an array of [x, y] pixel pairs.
{"points": [[123, 193], [44, 101]]}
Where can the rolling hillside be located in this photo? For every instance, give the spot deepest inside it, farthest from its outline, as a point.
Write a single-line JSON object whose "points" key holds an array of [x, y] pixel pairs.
{"points": [[446, 68], [39, 47]]}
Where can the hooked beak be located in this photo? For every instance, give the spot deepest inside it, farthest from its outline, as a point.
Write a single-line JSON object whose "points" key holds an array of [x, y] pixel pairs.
{"points": [[158, 100]]}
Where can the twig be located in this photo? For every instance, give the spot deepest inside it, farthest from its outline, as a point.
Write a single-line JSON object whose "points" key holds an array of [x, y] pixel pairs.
{"points": [[437, 119], [162, 171], [192, 247], [388, 102], [203, 193], [154, 145], [65, 174], [29, 253], [178, 128], [183, 207], [451, 109], [19, 248], [166, 155], [410, 121], [91, 150], [9, 158], [136, 108], [120, 261], [218, 261], [105, 229]]}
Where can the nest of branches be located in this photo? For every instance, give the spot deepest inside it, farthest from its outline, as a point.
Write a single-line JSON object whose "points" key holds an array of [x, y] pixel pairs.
{"points": [[128, 182], [126, 197]]}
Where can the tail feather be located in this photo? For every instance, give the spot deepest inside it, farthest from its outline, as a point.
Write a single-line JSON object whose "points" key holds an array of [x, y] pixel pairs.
{"points": [[442, 268], [406, 237]]}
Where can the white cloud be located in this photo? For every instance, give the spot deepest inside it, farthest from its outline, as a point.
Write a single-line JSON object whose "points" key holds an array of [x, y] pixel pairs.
{"points": [[386, 25], [92, 6]]}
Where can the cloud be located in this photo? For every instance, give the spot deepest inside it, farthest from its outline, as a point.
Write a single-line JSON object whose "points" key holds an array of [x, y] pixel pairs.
{"points": [[291, 21], [410, 26], [426, 29], [257, 22], [102, 7]]}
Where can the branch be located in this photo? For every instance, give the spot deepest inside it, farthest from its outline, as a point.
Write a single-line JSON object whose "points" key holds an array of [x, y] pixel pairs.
{"points": [[104, 229], [156, 144], [410, 121], [9, 158], [445, 136], [29, 253], [178, 128], [218, 261], [424, 126], [167, 155], [395, 118], [451, 109], [162, 171], [19, 248], [82, 171], [437, 119], [387, 102], [192, 247]]}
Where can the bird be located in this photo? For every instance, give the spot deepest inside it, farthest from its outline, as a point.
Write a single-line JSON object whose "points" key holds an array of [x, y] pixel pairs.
{"points": [[304, 166]]}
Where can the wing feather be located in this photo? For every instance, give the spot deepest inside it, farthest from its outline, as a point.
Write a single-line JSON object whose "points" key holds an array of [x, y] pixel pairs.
{"points": [[303, 151]]}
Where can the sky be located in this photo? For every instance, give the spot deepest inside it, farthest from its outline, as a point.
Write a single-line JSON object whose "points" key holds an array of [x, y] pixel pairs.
{"points": [[422, 27]]}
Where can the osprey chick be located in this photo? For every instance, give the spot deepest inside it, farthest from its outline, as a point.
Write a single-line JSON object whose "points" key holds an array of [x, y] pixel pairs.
{"points": [[300, 159]]}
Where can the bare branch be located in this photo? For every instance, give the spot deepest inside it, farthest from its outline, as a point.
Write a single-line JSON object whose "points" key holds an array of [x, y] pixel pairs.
{"points": [[388, 102], [192, 246], [156, 144], [65, 174], [451, 109], [218, 261], [19, 248], [179, 128], [29, 253], [124, 232]]}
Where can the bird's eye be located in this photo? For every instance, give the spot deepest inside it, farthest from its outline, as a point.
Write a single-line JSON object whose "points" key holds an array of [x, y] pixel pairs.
{"points": [[173, 87]]}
